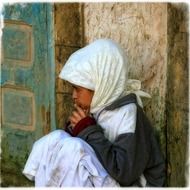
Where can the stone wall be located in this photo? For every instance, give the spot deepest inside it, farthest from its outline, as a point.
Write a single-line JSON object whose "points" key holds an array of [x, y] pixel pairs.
{"points": [[177, 103], [68, 39]]}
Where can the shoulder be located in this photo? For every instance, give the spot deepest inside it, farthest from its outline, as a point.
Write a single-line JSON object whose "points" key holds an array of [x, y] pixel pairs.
{"points": [[130, 107], [126, 118]]}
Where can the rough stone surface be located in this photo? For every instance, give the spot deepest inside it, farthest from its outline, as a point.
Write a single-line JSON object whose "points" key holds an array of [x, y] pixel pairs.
{"points": [[68, 25], [68, 38], [64, 108], [177, 95]]}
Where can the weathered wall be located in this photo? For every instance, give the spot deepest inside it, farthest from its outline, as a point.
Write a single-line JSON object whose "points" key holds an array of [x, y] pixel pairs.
{"points": [[141, 29], [68, 38], [177, 94]]}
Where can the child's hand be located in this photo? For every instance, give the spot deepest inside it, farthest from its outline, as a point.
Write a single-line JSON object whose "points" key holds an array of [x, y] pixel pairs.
{"points": [[77, 115]]}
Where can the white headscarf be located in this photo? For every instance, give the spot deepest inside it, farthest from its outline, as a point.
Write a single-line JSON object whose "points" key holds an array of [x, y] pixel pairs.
{"points": [[101, 66]]}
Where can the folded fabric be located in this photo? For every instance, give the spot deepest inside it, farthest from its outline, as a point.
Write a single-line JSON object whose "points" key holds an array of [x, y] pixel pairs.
{"points": [[59, 160]]}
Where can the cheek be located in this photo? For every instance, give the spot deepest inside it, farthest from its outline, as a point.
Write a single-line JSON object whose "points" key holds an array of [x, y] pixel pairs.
{"points": [[89, 99], [81, 101], [85, 101]]}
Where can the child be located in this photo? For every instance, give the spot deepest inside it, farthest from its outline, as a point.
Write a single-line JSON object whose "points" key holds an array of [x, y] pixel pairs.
{"points": [[109, 115]]}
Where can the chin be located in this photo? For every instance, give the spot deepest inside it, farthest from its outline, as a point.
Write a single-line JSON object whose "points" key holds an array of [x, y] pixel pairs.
{"points": [[84, 107]]}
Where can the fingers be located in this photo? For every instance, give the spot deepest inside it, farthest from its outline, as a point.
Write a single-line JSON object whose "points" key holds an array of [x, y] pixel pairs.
{"points": [[75, 118], [80, 111], [77, 115], [73, 121]]}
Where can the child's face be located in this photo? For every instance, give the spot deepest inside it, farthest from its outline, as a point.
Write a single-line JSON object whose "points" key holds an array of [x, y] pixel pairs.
{"points": [[82, 97]]}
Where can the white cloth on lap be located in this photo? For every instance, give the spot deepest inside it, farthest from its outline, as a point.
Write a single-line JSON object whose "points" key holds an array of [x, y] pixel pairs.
{"points": [[59, 160]]}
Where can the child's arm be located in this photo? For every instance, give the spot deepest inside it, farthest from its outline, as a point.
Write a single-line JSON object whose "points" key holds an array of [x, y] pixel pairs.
{"points": [[123, 159], [120, 158], [130, 155]]}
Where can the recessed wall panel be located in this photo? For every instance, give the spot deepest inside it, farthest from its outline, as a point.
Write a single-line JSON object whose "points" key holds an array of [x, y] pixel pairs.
{"points": [[17, 44], [18, 108]]}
